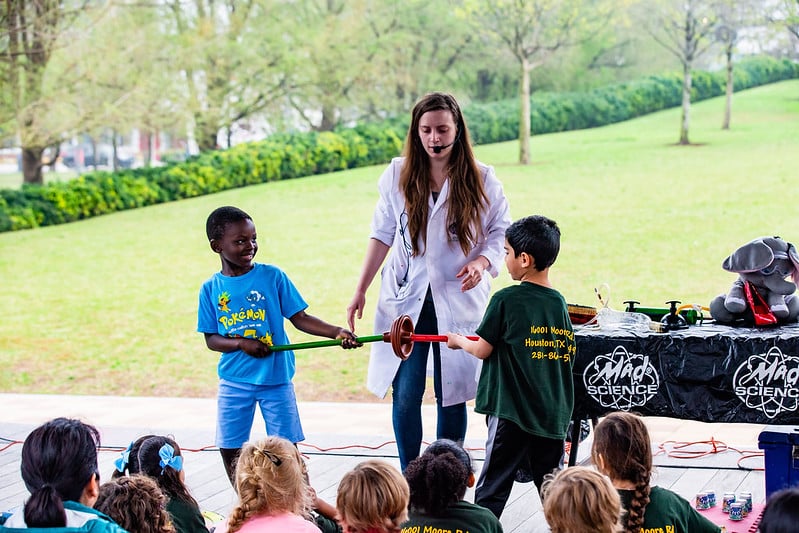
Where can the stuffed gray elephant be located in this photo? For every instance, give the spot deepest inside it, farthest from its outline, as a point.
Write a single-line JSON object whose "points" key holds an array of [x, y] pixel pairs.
{"points": [[765, 263]]}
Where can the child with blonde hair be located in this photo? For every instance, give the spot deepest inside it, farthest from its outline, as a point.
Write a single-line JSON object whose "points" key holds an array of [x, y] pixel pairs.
{"points": [[136, 503], [581, 500], [372, 498], [273, 493]]}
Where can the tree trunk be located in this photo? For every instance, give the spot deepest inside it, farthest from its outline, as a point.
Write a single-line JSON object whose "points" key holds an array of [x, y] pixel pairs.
{"points": [[686, 104], [329, 119], [32, 165], [524, 118], [728, 104], [205, 134], [148, 152], [114, 152], [95, 155]]}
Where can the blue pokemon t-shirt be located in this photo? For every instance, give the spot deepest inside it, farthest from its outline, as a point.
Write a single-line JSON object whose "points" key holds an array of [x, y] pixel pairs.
{"points": [[253, 305]]}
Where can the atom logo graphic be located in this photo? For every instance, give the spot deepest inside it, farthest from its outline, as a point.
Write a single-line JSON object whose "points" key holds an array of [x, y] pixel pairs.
{"points": [[621, 380], [768, 382]]}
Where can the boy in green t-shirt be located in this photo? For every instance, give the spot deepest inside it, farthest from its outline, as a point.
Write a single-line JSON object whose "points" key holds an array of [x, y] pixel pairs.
{"points": [[527, 347]]}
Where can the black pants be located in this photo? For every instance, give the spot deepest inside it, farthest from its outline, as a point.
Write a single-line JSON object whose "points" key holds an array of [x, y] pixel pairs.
{"points": [[509, 448]]}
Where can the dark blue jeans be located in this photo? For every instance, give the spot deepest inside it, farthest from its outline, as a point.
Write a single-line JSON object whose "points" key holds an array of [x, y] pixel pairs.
{"points": [[408, 390]]}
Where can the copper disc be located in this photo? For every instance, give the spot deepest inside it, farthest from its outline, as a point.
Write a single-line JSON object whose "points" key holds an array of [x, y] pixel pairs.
{"points": [[400, 335]]}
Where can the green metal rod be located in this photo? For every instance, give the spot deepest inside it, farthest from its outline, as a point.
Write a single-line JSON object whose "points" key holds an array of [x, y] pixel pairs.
{"points": [[320, 344]]}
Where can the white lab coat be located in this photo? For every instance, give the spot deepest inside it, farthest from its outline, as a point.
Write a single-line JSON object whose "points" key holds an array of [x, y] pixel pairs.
{"points": [[404, 280]]}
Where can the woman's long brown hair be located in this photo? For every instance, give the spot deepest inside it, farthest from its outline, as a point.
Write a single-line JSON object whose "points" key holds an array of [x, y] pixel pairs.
{"points": [[467, 196]]}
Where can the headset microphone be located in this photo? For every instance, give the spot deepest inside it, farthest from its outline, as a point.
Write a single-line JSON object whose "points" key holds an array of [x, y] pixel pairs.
{"points": [[439, 149]]}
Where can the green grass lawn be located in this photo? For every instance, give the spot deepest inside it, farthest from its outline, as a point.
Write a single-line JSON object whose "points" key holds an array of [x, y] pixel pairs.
{"points": [[108, 305]]}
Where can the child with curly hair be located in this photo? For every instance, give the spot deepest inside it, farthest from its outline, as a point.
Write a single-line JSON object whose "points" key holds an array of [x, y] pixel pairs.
{"points": [[135, 503], [580, 499], [273, 494], [622, 450], [438, 480], [372, 498]]}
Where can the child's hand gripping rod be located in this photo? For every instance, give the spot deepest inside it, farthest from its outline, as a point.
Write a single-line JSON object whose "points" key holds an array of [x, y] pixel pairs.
{"points": [[401, 337]]}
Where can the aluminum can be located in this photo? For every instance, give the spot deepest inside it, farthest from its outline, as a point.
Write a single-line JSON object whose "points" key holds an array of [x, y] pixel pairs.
{"points": [[737, 511], [746, 498], [726, 500], [702, 502], [711, 497]]}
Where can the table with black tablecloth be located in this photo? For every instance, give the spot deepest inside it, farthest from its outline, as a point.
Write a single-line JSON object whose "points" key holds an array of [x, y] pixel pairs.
{"points": [[709, 373]]}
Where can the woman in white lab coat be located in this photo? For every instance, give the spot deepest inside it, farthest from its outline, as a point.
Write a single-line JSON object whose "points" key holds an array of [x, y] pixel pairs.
{"points": [[443, 215]]}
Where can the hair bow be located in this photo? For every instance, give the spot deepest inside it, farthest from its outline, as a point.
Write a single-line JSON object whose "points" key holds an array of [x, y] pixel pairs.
{"points": [[169, 459], [121, 462]]}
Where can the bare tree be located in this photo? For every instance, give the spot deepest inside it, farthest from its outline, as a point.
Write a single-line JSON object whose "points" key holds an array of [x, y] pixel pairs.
{"points": [[534, 31], [684, 28]]}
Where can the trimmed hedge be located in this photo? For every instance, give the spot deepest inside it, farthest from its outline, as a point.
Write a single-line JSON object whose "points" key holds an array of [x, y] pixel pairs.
{"points": [[294, 155]]}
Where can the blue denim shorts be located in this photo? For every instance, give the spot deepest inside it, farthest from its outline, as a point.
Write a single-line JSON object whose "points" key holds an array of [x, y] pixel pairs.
{"points": [[236, 409]]}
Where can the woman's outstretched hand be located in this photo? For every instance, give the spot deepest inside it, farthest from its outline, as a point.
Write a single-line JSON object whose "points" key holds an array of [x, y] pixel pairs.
{"points": [[472, 273]]}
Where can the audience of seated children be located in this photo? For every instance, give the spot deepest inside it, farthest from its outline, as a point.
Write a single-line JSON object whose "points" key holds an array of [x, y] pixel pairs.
{"points": [[581, 500], [59, 467], [136, 503], [372, 498], [272, 492], [622, 450], [781, 514], [438, 480]]}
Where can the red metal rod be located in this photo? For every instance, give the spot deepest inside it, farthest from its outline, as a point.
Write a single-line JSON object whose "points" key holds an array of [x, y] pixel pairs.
{"points": [[416, 337]]}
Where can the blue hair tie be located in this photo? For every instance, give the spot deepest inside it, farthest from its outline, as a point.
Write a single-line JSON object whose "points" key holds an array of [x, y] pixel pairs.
{"points": [[169, 459], [121, 462]]}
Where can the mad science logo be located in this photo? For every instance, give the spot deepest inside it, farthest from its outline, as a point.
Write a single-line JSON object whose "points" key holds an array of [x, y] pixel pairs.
{"points": [[621, 380], [768, 382]]}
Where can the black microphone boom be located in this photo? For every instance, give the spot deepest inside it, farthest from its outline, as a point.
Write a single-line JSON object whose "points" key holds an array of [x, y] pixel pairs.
{"points": [[438, 149]]}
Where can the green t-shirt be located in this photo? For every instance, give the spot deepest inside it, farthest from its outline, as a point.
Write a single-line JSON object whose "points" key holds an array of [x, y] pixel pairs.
{"points": [[668, 512], [463, 517], [186, 517], [528, 377]]}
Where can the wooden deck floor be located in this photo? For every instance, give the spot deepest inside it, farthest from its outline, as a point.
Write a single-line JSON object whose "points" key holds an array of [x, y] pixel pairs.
{"points": [[329, 457]]}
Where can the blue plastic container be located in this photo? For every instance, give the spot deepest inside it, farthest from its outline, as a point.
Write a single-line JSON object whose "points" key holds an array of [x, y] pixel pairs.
{"points": [[780, 445]]}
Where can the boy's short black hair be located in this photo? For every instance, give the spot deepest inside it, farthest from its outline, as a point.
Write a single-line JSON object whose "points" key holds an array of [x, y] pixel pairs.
{"points": [[221, 217], [781, 511], [538, 237]]}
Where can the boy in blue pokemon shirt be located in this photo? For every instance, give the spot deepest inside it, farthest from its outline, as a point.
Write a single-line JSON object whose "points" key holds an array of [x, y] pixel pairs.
{"points": [[241, 313]]}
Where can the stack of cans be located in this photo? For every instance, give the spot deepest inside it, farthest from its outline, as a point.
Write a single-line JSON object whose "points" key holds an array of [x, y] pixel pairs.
{"points": [[726, 500], [705, 500]]}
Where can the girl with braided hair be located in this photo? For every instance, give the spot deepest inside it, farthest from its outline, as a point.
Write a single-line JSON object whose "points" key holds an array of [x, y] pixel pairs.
{"points": [[622, 450], [273, 494], [438, 480]]}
